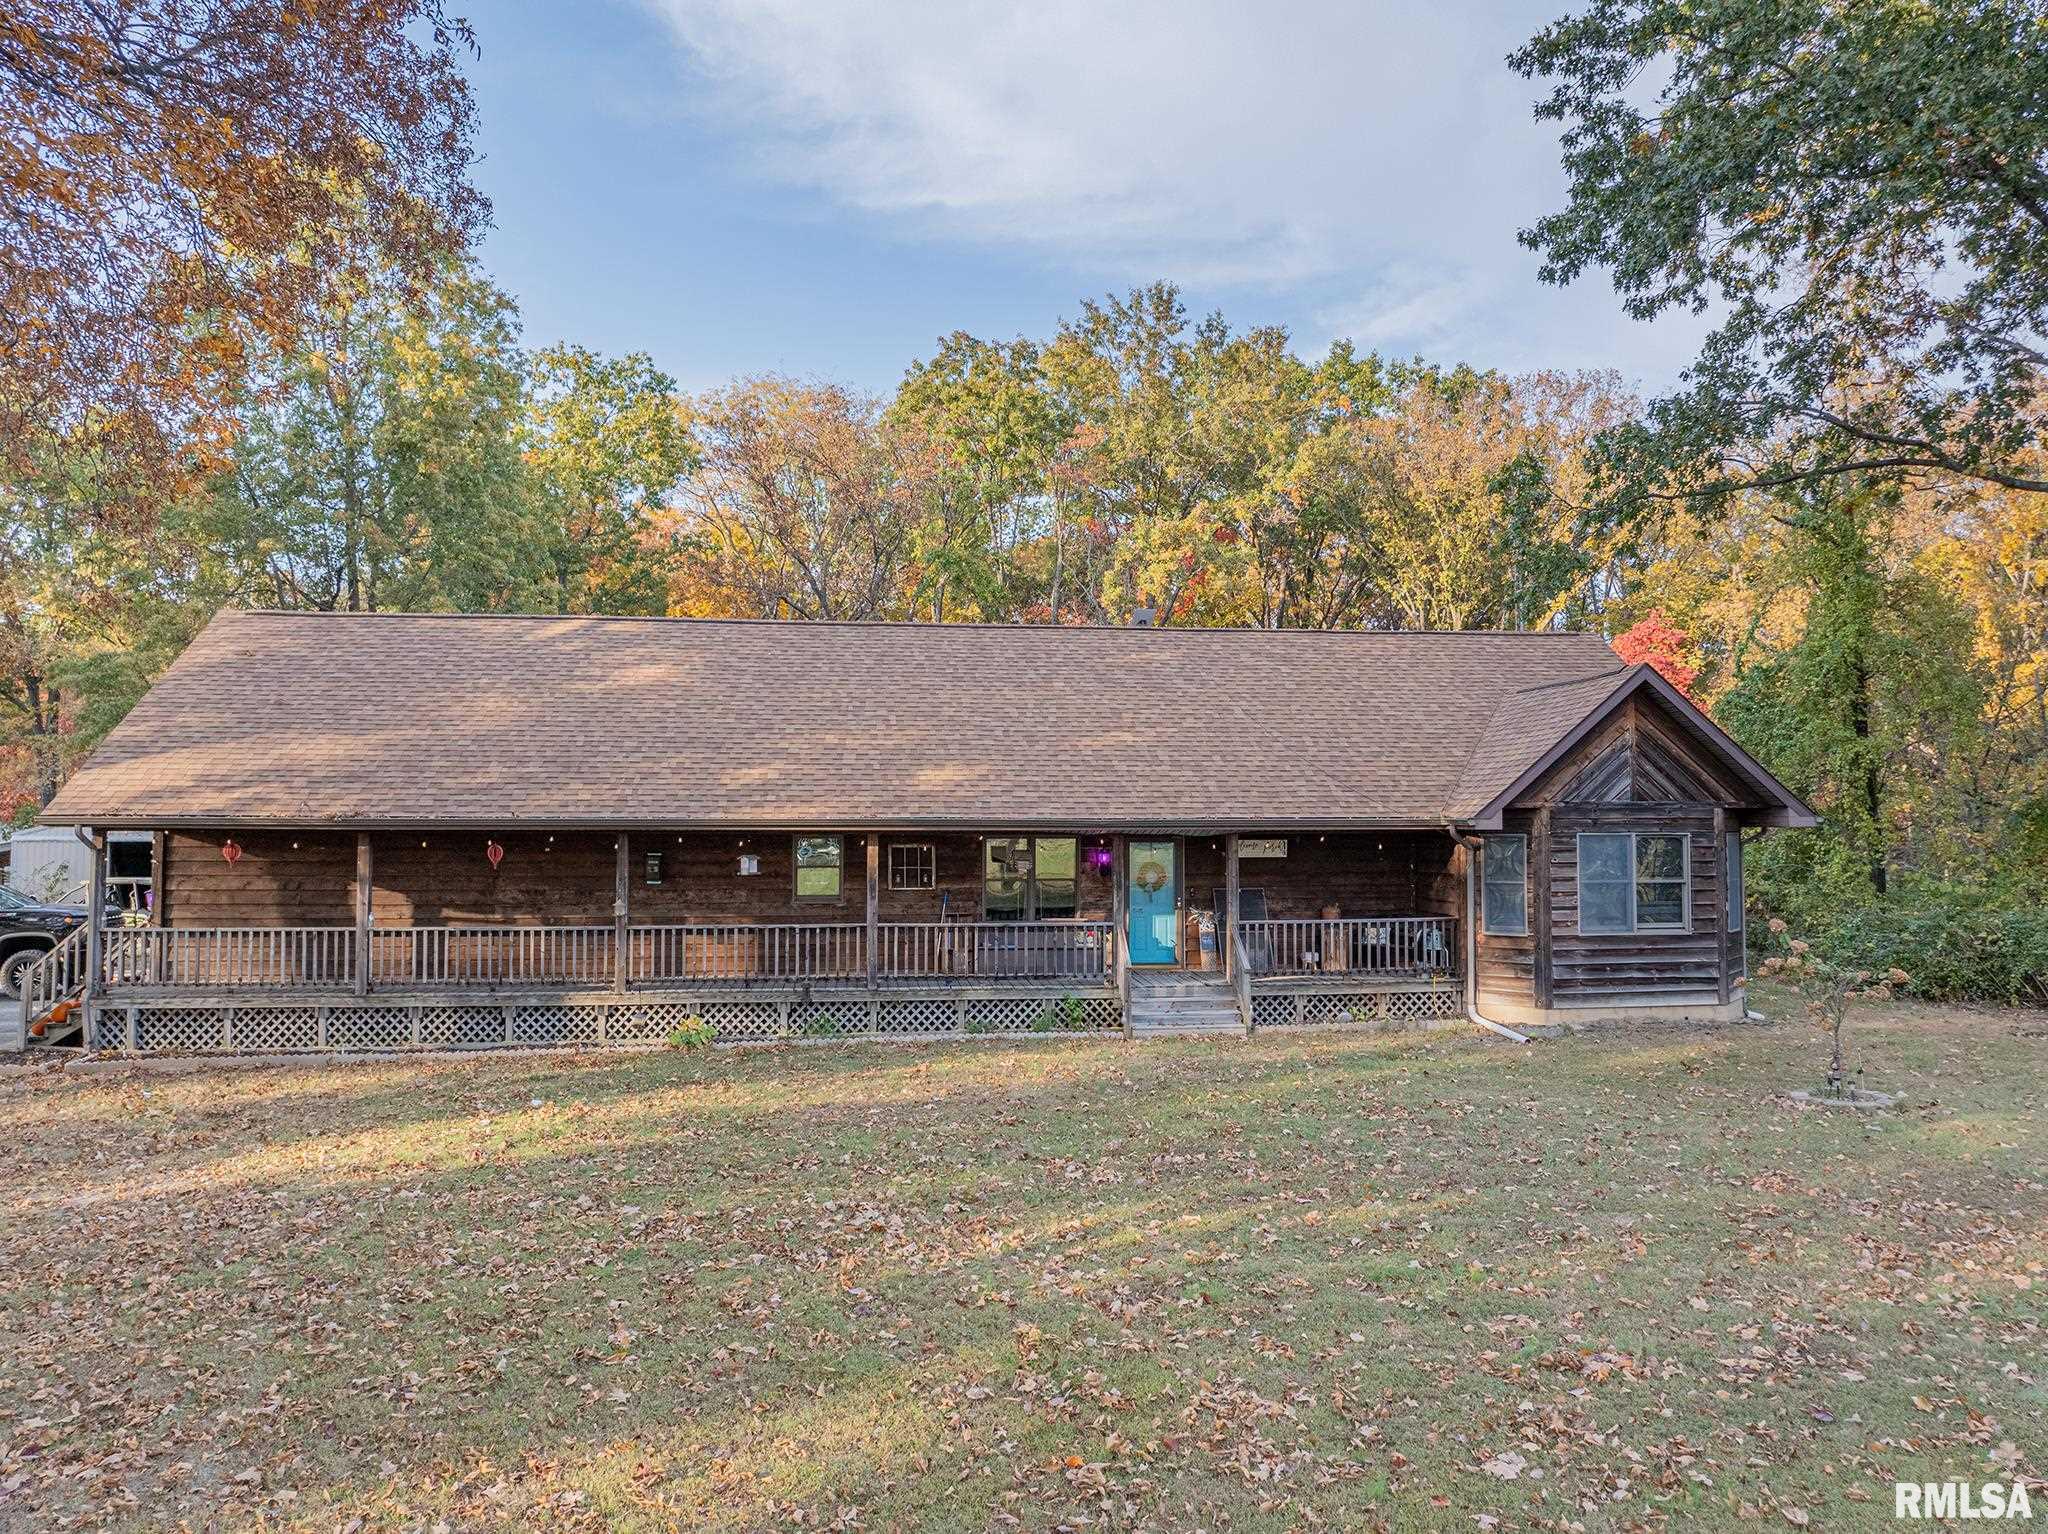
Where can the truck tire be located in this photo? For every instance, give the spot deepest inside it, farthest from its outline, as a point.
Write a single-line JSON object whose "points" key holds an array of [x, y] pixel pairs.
{"points": [[14, 968]]}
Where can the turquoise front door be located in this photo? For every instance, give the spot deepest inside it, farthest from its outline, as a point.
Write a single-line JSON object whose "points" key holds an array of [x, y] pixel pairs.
{"points": [[1153, 902]]}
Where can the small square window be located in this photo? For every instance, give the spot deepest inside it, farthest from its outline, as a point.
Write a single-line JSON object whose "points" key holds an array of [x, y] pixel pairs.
{"points": [[913, 866]]}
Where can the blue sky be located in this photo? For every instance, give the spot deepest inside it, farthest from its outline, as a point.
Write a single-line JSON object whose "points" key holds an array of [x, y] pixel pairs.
{"points": [[823, 187]]}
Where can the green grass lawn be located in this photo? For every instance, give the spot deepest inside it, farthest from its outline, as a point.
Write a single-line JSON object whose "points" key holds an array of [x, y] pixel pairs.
{"points": [[1414, 1282]]}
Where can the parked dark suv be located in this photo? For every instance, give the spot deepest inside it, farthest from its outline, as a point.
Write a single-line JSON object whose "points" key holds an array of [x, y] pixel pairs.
{"points": [[28, 930]]}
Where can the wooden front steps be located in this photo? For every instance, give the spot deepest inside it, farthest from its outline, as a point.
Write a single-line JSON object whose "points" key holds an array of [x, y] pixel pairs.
{"points": [[1169, 1002]]}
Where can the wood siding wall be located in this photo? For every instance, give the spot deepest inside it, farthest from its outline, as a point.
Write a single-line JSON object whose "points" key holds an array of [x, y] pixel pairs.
{"points": [[440, 878], [1611, 970], [1396, 873], [443, 878], [282, 879]]}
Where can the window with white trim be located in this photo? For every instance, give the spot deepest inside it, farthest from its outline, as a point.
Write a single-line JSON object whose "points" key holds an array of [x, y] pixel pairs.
{"points": [[1504, 885], [1633, 881], [913, 866]]}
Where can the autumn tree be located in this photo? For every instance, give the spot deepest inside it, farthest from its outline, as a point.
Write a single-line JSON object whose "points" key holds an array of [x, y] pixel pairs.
{"points": [[68, 571], [1149, 469], [806, 504], [181, 184], [1662, 647], [1466, 487], [1007, 548]]}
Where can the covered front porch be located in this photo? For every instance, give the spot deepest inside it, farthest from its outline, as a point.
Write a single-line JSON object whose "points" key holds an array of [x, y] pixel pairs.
{"points": [[472, 937]]}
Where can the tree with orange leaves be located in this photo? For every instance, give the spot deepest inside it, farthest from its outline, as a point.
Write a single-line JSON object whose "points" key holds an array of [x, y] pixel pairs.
{"points": [[1662, 646], [178, 182]]}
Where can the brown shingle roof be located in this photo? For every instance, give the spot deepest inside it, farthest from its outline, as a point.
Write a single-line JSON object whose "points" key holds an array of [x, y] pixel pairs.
{"points": [[305, 718], [1523, 727]]}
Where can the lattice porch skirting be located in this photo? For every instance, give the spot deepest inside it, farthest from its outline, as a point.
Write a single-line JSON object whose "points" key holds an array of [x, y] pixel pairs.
{"points": [[277, 1025], [271, 1026], [1404, 1010]]}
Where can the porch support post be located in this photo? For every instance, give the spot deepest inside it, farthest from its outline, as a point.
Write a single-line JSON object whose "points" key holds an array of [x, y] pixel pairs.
{"points": [[157, 882], [1230, 905], [874, 943], [95, 939], [159, 909], [621, 902], [363, 889], [1119, 935], [1724, 986], [1539, 907]]}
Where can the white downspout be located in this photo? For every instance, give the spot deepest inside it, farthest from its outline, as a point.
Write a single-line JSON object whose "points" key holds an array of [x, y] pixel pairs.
{"points": [[1472, 1014]]}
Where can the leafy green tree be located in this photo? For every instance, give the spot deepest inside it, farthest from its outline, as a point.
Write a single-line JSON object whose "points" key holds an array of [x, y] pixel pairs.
{"points": [[996, 539], [96, 597], [1863, 712], [607, 442], [378, 467], [1859, 189]]}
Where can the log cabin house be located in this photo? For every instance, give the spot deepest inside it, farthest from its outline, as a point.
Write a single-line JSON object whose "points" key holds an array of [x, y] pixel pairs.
{"points": [[379, 831]]}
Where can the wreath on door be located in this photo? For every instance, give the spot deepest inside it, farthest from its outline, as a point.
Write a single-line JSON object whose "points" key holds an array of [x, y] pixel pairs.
{"points": [[1151, 876]]}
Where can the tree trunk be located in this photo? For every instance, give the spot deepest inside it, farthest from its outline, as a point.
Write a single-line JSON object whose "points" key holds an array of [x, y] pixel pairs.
{"points": [[1873, 796], [43, 715]]}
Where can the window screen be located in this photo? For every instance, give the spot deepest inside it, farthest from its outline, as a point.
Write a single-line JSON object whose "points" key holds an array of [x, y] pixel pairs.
{"points": [[1504, 884], [1632, 882], [1660, 881], [1606, 883], [1029, 878]]}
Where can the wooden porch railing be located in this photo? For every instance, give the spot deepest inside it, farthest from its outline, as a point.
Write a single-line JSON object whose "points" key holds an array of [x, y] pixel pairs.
{"points": [[1370, 945], [326, 957], [1039, 950], [744, 951], [239, 957], [492, 955], [57, 976]]}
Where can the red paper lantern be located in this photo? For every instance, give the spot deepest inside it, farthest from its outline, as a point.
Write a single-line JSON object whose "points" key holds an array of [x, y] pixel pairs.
{"points": [[494, 852], [230, 849]]}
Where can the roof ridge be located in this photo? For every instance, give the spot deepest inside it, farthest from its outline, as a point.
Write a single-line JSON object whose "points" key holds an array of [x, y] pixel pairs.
{"points": [[1620, 668], [914, 623]]}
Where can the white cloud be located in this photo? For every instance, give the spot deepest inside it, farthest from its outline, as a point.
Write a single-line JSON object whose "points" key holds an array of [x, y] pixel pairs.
{"points": [[1371, 161]]}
